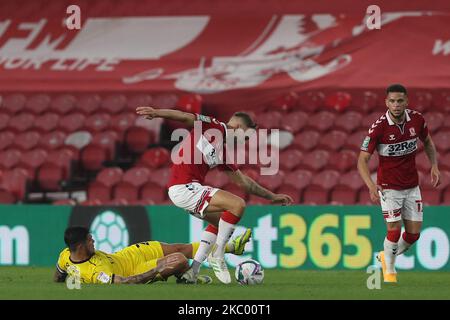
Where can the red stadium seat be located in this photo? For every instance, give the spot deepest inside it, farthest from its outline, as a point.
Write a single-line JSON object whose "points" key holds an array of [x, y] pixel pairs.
{"points": [[434, 120], [364, 101], [61, 158], [311, 101], [298, 179], [15, 181], [73, 151], [216, 178], [294, 122], [191, 103], [137, 139], [165, 100], [88, 103], [9, 158], [33, 158], [442, 141], [63, 104], [125, 190], [6, 139], [290, 191], [286, 102], [72, 122], [110, 176], [114, 103], [52, 140], [92, 202], [97, 122], [27, 140], [92, 157], [343, 160], [21, 122], [153, 192], [364, 198], [107, 140], [50, 177], [64, 202], [349, 121], [315, 160], [269, 120], [236, 190], [14, 103], [326, 179], [441, 101], [160, 177], [338, 101], [121, 122], [138, 100], [444, 161], [315, 195], [332, 140], [98, 190], [137, 176], [37, 104], [431, 197], [155, 158], [47, 121], [7, 197], [352, 180], [306, 140], [322, 121], [420, 100], [272, 182], [343, 195], [290, 159], [446, 196], [4, 120]]}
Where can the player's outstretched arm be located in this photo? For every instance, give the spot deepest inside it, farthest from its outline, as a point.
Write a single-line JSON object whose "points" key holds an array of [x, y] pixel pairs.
{"points": [[151, 113], [251, 186], [364, 172], [59, 277], [430, 150]]}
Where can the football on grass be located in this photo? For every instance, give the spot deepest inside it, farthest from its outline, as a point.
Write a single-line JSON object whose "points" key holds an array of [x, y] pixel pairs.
{"points": [[249, 272]]}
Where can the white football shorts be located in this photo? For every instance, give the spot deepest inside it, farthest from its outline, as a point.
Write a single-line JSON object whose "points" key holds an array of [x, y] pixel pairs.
{"points": [[402, 204], [192, 197]]}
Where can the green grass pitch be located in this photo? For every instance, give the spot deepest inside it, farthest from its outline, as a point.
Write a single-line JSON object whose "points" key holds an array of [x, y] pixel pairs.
{"points": [[36, 283]]}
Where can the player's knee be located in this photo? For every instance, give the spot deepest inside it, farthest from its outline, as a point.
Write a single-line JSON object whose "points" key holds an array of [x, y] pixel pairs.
{"points": [[393, 235], [411, 237]]}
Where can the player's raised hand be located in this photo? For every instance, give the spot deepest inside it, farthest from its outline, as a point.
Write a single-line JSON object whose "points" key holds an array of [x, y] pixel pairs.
{"points": [[282, 199], [147, 112], [435, 176]]}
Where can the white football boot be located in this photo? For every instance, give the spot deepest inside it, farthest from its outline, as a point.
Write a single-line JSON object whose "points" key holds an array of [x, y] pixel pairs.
{"points": [[220, 267]]}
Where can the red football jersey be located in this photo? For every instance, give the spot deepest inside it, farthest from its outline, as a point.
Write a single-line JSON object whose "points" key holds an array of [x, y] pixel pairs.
{"points": [[396, 145], [205, 151]]}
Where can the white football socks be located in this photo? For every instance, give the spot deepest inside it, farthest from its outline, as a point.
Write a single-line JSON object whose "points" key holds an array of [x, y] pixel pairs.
{"points": [[206, 243], [225, 232], [390, 251], [403, 246]]}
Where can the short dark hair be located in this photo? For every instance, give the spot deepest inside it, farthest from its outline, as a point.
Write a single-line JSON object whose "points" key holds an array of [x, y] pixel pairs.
{"points": [[74, 236], [248, 121], [396, 88]]}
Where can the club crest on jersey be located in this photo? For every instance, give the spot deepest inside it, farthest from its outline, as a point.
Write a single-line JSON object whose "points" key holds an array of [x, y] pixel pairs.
{"points": [[391, 137], [412, 132]]}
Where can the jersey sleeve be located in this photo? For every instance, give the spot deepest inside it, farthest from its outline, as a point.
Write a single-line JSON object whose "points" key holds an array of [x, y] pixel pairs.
{"points": [[371, 140], [102, 274], [61, 263]]}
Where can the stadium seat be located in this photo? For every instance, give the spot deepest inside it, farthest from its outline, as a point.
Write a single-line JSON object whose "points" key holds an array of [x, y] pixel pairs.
{"points": [[155, 158], [191, 103], [352, 180], [137, 176], [338, 101], [315, 160], [150, 191], [107, 140], [269, 120], [37, 104], [72, 122], [294, 121], [92, 157], [216, 178], [7, 197], [420, 100], [315, 195], [160, 177], [332, 140], [236, 190], [92, 202], [290, 191], [97, 190], [50, 177], [326, 179], [26, 140], [311, 101], [63, 104], [442, 141], [65, 202], [125, 190], [121, 122], [431, 197], [46, 122], [298, 179], [343, 195], [73, 151], [15, 181], [441, 101], [9, 158], [272, 182], [364, 198], [52, 140], [14, 103], [88, 103], [285, 102], [444, 161], [97, 122], [322, 121], [446, 196], [113, 103], [138, 100], [4, 120], [434, 120], [306, 140], [21, 122], [137, 139], [364, 101], [165, 100], [6, 139], [349, 121], [33, 158], [343, 160], [290, 159], [61, 158]]}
